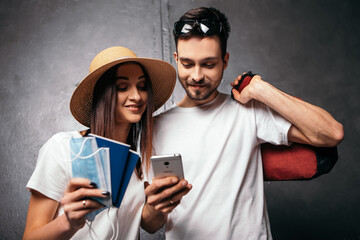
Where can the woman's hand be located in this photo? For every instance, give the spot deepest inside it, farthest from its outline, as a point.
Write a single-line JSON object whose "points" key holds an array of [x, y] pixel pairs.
{"points": [[42, 222], [163, 196], [76, 202]]}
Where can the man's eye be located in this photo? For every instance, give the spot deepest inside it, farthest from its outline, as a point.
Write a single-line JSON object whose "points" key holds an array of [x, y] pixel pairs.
{"points": [[210, 65], [187, 65]]}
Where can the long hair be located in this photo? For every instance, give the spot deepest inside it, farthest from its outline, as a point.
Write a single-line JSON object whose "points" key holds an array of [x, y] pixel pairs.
{"points": [[103, 116]]}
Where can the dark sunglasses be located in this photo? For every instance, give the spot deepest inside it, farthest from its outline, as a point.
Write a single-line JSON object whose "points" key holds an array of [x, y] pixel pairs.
{"points": [[206, 26]]}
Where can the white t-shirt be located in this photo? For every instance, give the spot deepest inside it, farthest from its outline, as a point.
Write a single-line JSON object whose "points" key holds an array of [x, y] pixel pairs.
{"points": [[52, 175], [220, 147]]}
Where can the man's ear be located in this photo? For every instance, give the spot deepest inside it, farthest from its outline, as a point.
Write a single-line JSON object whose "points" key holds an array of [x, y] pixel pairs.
{"points": [[226, 60], [176, 57]]}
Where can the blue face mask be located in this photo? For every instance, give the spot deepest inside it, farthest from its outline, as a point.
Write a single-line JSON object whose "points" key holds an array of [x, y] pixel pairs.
{"points": [[89, 161]]}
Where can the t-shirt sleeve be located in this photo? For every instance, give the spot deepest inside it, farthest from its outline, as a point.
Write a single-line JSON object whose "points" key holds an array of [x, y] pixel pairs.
{"points": [[271, 126], [51, 175]]}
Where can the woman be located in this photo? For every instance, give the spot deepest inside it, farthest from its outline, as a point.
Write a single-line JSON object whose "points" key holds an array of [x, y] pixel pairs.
{"points": [[116, 100]]}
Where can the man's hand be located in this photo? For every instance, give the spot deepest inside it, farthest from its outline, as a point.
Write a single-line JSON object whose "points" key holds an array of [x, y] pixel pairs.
{"points": [[245, 95], [163, 195]]}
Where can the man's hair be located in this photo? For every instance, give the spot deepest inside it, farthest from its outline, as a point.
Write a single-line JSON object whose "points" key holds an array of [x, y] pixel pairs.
{"points": [[206, 13]]}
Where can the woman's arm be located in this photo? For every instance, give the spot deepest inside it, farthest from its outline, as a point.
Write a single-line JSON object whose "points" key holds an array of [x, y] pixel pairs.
{"points": [[42, 223]]}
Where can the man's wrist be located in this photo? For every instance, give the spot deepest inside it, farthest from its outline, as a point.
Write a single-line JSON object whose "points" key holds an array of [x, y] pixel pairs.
{"points": [[151, 219], [259, 89]]}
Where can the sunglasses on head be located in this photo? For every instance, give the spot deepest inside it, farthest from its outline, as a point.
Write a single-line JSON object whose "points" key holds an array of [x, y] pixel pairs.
{"points": [[206, 26]]}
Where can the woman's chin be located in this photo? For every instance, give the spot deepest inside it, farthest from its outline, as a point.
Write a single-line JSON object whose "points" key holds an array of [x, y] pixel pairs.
{"points": [[130, 120]]}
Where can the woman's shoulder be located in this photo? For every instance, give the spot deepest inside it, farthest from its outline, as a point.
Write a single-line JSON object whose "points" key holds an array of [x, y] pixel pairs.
{"points": [[56, 148], [65, 135], [61, 138]]}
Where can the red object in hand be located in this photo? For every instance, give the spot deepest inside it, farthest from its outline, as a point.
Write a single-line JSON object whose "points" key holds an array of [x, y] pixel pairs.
{"points": [[243, 82], [295, 162]]}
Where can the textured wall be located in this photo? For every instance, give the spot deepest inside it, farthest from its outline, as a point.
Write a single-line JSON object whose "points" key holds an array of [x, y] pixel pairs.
{"points": [[306, 48], [45, 50]]}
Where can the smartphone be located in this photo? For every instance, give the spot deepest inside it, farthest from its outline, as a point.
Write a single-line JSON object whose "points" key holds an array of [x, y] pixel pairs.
{"points": [[167, 166]]}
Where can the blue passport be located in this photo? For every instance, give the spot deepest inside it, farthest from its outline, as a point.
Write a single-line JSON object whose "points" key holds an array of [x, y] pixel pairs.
{"points": [[132, 159], [122, 164]]}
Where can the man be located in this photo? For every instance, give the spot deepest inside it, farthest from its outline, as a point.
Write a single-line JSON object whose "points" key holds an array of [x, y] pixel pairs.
{"points": [[219, 138]]}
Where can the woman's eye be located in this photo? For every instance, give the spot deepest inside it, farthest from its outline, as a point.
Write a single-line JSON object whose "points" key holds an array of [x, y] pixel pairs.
{"points": [[142, 87], [121, 87]]}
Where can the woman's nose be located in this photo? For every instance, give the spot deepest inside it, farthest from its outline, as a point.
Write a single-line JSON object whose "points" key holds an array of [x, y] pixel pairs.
{"points": [[134, 94]]}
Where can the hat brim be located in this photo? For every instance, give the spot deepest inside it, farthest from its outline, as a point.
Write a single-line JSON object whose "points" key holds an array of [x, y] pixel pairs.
{"points": [[162, 76]]}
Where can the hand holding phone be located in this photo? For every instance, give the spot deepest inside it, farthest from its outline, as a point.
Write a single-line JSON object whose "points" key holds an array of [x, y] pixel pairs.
{"points": [[164, 194]]}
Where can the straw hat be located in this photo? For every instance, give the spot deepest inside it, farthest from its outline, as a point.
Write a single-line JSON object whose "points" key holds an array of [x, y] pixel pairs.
{"points": [[162, 76]]}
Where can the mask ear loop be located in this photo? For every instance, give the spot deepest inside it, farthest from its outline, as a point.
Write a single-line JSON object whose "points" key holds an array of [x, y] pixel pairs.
{"points": [[114, 228], [91, 231], [115, 231], [81, 148]]}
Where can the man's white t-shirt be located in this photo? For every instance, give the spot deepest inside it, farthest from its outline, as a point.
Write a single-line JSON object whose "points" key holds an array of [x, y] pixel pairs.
{"points": [[220, 147], [52, 175]]}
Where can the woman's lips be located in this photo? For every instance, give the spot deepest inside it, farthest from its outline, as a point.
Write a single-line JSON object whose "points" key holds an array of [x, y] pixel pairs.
{"points": [[134, 108]]}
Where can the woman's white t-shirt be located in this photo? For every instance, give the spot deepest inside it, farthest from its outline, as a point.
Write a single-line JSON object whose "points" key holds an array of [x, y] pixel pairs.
{"points": [[52, 175]]}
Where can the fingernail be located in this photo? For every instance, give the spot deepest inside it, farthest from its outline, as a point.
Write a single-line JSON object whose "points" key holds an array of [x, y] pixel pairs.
{"points": [[93, 184], [105, 193], [174, 180], [184, 183]]}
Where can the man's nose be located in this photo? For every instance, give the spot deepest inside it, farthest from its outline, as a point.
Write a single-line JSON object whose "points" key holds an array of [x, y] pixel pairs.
{"points": [[197, 75]]}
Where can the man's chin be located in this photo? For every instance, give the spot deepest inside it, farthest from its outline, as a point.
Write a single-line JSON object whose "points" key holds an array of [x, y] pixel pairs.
{"points": [[197, 95]]}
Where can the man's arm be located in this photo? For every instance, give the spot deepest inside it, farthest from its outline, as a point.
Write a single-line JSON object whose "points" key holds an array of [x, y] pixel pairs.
{"points": [[310, 124]]}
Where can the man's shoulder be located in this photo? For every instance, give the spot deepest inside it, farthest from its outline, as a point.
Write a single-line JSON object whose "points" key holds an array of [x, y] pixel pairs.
{"points": [[165, 112]]}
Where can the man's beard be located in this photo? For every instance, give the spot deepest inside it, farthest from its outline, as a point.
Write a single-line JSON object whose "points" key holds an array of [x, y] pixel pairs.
{"points": [[199, 95]]}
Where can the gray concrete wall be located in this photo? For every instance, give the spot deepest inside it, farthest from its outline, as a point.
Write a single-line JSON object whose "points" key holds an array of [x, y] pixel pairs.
{"points": [[309, 49]]}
